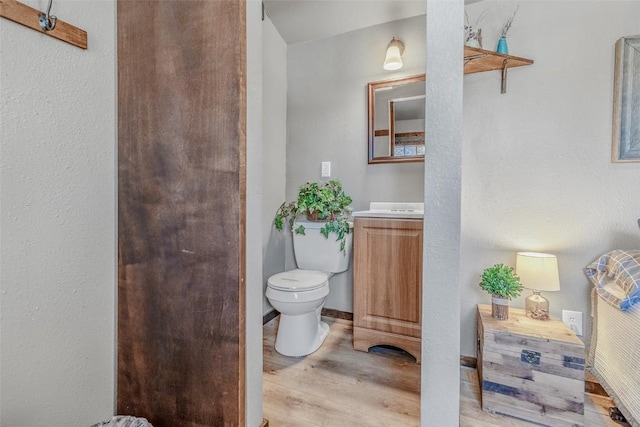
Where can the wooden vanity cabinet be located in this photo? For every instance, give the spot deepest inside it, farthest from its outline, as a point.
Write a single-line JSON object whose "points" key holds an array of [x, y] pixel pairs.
{"points": [[387, 283]]}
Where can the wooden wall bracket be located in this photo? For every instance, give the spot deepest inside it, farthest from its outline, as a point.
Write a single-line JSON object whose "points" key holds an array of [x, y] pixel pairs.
{"points": [[503, 85], [29, 17]]}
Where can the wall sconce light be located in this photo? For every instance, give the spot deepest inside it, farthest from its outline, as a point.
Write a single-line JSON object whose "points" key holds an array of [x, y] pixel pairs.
{"points": [[393, 61], [538, 272]]}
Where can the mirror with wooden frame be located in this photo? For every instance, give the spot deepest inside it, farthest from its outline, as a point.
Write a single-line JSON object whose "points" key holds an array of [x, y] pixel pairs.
{"points": [[396, 120]]}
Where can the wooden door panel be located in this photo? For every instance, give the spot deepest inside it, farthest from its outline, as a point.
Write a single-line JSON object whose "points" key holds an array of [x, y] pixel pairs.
{"points": [[181, 159], [388, 275], [392, 274]]}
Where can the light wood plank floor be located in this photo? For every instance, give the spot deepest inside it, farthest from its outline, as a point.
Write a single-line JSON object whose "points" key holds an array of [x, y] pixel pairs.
{"points": [[338, 387]]}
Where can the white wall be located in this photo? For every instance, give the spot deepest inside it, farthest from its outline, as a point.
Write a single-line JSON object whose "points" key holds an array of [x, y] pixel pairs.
{"points": [[58, 226], [274, 103], [327, 121], [537, 173]]}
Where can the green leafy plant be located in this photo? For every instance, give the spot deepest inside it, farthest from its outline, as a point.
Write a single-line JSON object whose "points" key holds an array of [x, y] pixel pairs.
{"points": [[501, 281], [323, 201]]}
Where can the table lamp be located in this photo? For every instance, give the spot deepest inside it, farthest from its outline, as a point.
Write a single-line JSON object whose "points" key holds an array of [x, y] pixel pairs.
{"points": [[538, 272]]}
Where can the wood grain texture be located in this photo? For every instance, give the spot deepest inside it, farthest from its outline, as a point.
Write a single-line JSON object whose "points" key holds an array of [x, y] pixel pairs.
{"points": [[387, 283], [478, 60], [28, 16], [618, 77], [468, 362], [364, 339], [181, 172], [392, 126], [337, 386], [531, 369], [591, 384], [337, 314]]}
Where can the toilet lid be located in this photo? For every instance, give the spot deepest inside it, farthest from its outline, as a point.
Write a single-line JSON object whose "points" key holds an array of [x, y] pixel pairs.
{"points": [[298, 280]]}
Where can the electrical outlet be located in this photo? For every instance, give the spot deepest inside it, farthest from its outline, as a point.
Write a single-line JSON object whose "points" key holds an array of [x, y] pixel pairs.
{"points": [[573, 319], [326, 169]]}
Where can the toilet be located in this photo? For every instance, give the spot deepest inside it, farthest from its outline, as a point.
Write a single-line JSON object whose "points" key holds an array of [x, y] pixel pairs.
{"points": [[300, 294]]}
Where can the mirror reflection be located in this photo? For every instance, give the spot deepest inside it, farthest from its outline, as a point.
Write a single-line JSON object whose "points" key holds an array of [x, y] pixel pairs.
{"points": [[396, 120]]}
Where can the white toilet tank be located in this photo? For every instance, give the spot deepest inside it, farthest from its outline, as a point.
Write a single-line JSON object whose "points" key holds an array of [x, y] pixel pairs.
{"points": [[313, 251]]}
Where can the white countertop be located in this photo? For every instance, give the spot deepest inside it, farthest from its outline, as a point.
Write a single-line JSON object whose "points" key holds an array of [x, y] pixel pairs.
{"points": [[404, 210]]}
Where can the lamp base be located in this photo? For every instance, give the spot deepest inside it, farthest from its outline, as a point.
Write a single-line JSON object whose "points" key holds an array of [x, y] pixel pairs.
{"points": [[536, 306]]}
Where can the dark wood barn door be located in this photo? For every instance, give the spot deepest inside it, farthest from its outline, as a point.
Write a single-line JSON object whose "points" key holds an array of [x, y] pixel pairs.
{"points": [[181, 197]]}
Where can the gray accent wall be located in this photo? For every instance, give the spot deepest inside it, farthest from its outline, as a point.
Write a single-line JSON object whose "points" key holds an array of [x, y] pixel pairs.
{"points": [[274, 116], [327, 121]]}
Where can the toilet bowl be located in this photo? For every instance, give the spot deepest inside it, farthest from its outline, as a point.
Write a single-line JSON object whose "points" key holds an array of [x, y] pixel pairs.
{"points": [[300, 294]]}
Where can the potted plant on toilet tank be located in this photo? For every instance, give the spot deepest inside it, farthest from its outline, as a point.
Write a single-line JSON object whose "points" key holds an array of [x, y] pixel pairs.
{"points": [[503, 284], [319, 202]]}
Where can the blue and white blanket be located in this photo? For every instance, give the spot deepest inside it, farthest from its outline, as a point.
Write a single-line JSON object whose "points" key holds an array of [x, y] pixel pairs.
{"points": [[616, 276]]}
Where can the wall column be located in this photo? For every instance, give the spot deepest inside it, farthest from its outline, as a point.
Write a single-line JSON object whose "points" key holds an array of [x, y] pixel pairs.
{"points": [[440, 387]]}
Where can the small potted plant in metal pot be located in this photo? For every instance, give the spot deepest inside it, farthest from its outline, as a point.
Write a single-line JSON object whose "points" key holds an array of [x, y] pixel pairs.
{"points": [[503, 284], [319, 202]]}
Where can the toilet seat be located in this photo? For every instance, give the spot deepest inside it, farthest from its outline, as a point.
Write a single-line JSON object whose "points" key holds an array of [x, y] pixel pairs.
{"points": [[298, 280]]}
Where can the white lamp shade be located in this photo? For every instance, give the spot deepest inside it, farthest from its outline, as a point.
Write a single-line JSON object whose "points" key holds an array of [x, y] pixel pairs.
{"points": [[538, 271], [393, 60]]}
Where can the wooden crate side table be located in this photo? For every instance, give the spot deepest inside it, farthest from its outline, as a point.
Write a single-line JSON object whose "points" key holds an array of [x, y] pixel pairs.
{"points": [[530, 369]]}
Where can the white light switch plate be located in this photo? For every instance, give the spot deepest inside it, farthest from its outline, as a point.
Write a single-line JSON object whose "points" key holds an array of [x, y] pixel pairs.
{"points": [[326, 169], [573, 319]]}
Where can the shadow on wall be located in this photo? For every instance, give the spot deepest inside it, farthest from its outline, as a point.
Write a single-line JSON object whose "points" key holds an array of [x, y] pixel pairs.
{"points": [[620, 240], [274, 255]]}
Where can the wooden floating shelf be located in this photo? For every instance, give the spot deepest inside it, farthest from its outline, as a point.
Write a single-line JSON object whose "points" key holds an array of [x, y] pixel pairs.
{"points": [[478, 60]]}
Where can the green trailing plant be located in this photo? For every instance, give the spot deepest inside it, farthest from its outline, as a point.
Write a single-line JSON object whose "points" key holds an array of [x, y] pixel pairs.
{"points": [[286, 210], [323, 201], [501, 281]]}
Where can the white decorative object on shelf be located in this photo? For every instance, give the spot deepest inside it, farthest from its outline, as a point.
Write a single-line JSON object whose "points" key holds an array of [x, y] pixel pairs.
{"points": [[472, 33]]}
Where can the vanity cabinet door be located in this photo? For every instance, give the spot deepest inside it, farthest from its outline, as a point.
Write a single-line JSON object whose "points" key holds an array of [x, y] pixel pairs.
{"points": [[388, 283]]}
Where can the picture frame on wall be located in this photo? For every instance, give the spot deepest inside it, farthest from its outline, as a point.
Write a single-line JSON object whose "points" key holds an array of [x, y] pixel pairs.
{"points": [[626, 101]]}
